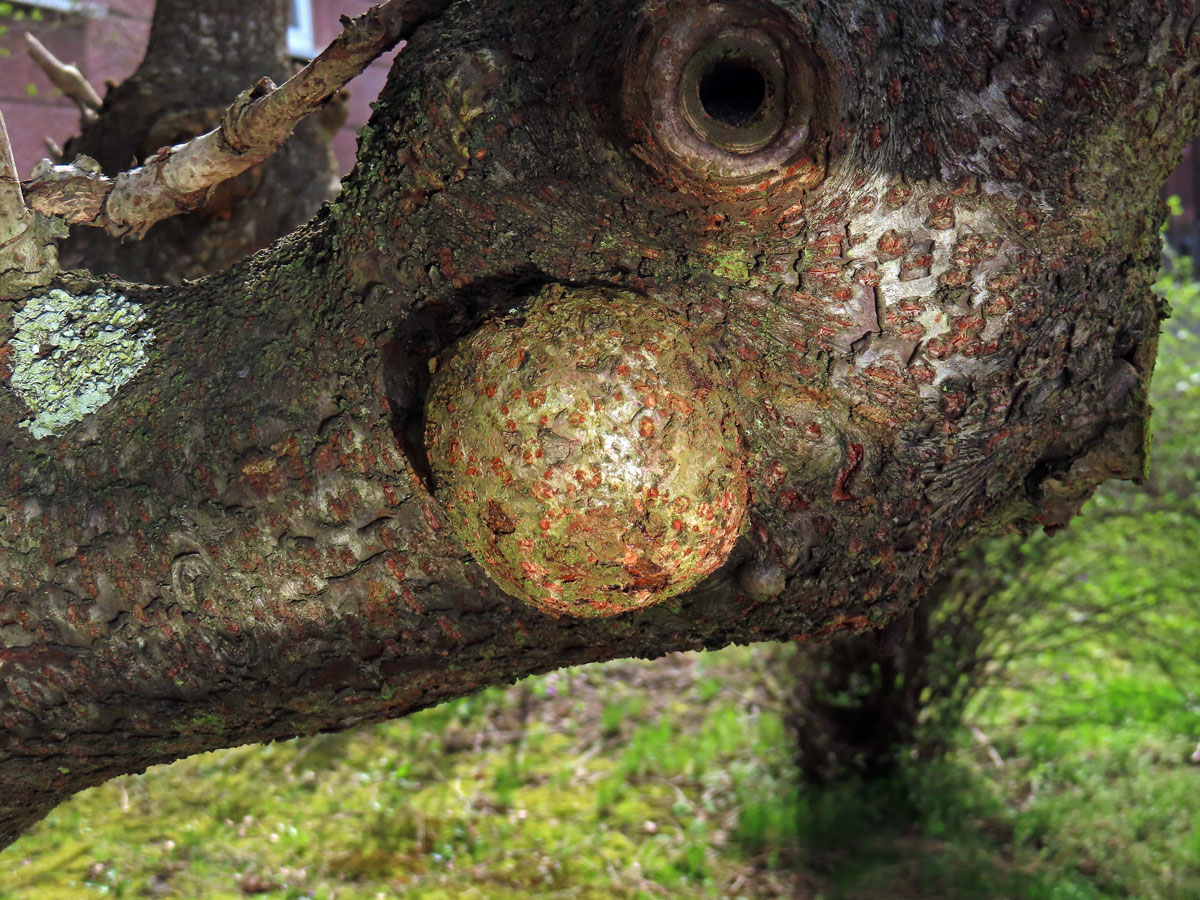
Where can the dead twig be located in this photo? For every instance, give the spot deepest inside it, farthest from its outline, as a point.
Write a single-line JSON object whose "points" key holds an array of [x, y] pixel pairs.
{"points": [[177, 179], [986, 742], [66, 77], [52, 147]]}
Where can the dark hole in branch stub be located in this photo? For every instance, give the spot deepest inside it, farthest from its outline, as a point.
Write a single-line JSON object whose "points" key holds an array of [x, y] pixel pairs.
{"points": [[732, 92]]}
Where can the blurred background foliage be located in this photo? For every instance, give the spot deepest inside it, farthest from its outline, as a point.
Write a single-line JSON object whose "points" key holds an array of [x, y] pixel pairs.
{"points": [[1033, 736]]}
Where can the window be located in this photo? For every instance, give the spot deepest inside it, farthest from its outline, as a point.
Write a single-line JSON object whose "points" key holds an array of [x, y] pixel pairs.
{"points": [[87, 7], [300, 30]]}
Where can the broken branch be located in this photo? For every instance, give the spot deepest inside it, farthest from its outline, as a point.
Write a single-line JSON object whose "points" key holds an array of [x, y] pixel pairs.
{"points": [[177, 179], [67, 78], [12, 204], [28, 257]]}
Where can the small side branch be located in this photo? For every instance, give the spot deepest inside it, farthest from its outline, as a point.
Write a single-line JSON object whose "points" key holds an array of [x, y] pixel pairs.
{"points": [[177, 179], [67, 78], [28, 256]]}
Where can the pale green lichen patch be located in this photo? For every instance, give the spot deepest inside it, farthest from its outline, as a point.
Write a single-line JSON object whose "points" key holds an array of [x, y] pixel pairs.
{"points": [[71, 354]]}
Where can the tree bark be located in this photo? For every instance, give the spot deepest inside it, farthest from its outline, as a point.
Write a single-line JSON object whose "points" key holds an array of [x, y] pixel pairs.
{"points": [[201, 54], [916, 242]]}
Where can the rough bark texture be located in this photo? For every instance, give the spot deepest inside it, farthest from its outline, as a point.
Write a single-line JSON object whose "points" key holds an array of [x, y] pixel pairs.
{"points": [[201, 55], [931, 304]]}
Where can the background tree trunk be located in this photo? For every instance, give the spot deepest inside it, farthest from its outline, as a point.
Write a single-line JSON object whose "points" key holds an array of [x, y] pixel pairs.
{"points": [[200, 56], [859, 705], [927, 292]]}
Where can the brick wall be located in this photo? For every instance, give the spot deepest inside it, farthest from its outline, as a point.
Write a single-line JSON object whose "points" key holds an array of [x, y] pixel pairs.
{"points": [[107, 48], [104, 47]]}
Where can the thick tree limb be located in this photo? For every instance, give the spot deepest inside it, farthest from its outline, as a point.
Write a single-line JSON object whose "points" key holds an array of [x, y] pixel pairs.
{"points": [[27, 253], [177, 179], [67, 78], [217, 521]]}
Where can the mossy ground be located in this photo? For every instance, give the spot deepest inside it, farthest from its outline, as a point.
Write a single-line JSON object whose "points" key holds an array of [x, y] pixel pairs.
{"points": [[633, 781], [622, 781]]}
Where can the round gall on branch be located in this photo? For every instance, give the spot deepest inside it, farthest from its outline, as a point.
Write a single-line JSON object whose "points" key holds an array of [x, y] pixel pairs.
{"points": [[587, 453]]}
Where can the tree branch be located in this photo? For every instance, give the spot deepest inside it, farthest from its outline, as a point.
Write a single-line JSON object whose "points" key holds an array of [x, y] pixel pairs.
{"points": [[177, 179], [67, 78]]}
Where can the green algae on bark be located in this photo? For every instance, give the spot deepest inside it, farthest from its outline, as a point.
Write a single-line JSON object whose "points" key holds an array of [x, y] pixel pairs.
{"points": [[587, 453]]}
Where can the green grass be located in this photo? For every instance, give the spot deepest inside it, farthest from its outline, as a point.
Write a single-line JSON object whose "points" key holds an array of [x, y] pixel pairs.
{"points": [[544, 791], [606, 783], [573, 785]]}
